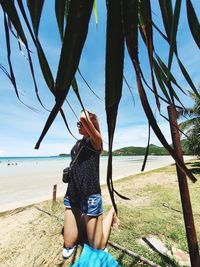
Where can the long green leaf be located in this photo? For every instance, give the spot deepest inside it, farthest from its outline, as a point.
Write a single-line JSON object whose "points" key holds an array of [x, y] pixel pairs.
{"points": [[147, 148], [43, 62], [187, 77], [168, 84], [133, 52], [35, 9], [114, 77], [67, 9], [60, 15], [145, 19], [155, 126], [88, 85], [193, 22], [9, 8], [160, 81], [75, 88], [11, 75], [95, 12], [167, 15], [74, 39], [46, 71], [165, 69], [174, 29]]}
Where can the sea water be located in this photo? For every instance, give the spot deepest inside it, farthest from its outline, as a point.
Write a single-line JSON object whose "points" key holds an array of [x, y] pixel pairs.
{"points": [[26, 180]]}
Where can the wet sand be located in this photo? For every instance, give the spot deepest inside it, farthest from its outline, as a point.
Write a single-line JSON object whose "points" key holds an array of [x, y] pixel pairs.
{"points": [[27, 183]]}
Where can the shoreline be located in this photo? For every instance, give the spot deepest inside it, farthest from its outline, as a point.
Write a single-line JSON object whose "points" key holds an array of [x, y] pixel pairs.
{"points": [[25, 185]]}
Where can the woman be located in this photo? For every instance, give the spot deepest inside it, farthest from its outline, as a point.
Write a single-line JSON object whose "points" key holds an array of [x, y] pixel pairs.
{"points": [[83, 200]]}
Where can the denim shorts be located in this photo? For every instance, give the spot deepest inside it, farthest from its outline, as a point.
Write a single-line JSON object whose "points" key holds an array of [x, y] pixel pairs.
{"points": [[93, 207]]}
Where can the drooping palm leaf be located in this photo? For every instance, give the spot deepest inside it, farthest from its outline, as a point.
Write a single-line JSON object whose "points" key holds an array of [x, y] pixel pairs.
{"points": [[46, 71], [188, 123], [60, 15], [159, 76], [128, 19], [178, 128], [95, 12], [145, 20], [114, 77], [165, 70], [11, 75], [167, 15], [74, 39], [35, 8], [79, 72], [162, 79], [187, 77], [10, 10], [174, 28], [129, 88], [147, 148], [193, 22]]}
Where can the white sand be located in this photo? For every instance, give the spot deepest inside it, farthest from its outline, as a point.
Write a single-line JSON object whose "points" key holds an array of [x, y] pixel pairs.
{"points": [[30, 182]]}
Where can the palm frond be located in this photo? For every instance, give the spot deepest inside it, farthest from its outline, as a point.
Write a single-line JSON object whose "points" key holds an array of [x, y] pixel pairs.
{"points": [[188, 123], [114, 77]]}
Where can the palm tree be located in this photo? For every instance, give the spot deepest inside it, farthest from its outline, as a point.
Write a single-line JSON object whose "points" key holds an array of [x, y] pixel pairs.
{"points": [[193, 113]]}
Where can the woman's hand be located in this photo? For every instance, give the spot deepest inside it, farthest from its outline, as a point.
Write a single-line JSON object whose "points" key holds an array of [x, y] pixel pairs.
{"points": [[91, 130]]}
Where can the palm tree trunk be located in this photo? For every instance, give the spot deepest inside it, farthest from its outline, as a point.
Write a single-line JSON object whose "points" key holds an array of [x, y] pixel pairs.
{"points": [[184, 192]]}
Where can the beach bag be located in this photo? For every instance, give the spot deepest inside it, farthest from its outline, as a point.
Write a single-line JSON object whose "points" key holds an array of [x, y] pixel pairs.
{"points": [[66, 175], [67, 172]]}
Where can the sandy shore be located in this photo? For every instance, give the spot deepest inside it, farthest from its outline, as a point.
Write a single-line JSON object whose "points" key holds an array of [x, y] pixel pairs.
{"points": [[28, 183]]}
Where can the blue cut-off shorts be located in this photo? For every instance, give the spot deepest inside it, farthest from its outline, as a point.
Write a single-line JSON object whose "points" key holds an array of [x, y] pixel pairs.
{"points": [[93, 208]]}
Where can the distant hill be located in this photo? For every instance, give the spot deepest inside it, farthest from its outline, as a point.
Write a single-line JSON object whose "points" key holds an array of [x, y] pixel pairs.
{"points": [[153, 150], [137, 150], [64, 155], [133, 150]]}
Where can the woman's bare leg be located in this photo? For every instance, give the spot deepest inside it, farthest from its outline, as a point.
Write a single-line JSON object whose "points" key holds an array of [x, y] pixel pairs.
{"points": [[72, 220], [98, 229]]}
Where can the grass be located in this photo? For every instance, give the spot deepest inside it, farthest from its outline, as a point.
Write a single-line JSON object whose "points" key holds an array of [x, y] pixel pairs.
{"points": [[155, 218], [159, 215]]}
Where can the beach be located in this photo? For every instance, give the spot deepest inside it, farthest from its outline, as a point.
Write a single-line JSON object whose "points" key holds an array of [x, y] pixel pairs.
{"points": [[24, 182]]}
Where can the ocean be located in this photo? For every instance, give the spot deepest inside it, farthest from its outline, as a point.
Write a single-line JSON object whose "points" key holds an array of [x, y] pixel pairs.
{"points": [[26, 180]]}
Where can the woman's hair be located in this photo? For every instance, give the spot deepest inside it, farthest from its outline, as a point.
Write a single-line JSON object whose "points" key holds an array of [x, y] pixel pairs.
{"points": [[95, 121]]}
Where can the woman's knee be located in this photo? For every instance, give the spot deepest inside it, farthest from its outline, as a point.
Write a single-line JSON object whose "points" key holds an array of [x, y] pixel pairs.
{"points": [[71, 231], [98, 244]]}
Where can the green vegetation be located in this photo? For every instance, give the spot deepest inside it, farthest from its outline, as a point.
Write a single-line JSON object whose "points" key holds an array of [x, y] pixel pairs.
{"points": [[192, 125], [153, 150], [151, 212]]}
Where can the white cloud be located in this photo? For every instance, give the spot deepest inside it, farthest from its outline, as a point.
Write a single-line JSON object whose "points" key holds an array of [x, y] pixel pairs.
{"points": [[137, 136], [2, 152]]}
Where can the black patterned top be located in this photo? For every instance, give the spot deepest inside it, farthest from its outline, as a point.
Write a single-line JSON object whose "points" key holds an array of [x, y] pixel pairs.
{"points": [[85, 172]]}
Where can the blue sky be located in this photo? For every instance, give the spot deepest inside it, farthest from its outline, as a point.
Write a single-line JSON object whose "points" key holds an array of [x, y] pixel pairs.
{"points": [[20, 127]]}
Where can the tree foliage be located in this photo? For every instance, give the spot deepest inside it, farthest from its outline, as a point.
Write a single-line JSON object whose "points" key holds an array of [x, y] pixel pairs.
{"points": [[192, 125]]}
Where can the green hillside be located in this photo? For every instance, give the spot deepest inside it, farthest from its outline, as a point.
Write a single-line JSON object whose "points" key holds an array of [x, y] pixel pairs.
{"points": [[153, 150], [134, 150]]}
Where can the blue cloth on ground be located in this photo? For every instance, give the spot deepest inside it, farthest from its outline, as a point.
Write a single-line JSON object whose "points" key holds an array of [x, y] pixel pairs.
{"points": [[95, 257]]}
